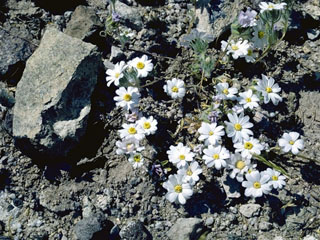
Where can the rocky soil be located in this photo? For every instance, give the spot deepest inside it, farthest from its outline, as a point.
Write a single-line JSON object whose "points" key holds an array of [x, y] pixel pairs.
{"points": [[91, 192]]}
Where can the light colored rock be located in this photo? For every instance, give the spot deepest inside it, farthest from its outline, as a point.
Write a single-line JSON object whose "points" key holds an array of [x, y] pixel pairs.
{"points": [[53, 95], [249, 210], [231, 186], [135, 230], [185, 228]]}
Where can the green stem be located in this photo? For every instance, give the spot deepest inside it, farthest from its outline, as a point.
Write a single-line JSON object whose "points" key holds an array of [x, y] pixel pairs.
{"points": [[307, 158], [270, 164]]}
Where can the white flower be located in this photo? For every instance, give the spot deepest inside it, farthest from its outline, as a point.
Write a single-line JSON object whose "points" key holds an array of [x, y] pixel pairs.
{"points": [[180, 155], [178, 191], [238, 127], [237, 49], [269, 6], [191, 172], [142, 65], [211, 133], [115, 74], [256, 184], [175, 88], [136, 160], [269, 90], [248, 99], [260, 36], [226, 92], [239, 166], [290, 142], [148, 125], [216, 156], [128, 146], [131, 130], [276, 180], [248, 147], [127, 98], [251, 55]]}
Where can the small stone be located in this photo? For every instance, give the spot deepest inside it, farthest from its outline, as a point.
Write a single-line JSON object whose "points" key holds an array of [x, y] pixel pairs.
{"points": [[209, 221], [231, 186], [265, 226], [135, 230], [249, 210], [185, 228]]}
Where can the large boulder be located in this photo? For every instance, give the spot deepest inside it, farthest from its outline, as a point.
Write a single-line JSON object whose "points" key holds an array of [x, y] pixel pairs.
{"points": [[53, 95]]}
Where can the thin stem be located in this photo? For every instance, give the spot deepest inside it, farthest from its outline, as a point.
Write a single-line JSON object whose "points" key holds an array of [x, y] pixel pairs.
{"points": [[307, 158]]}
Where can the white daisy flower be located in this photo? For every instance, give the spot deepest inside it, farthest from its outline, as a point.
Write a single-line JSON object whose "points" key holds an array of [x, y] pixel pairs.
{"points": [[148, 125], [128, 146], [127, 98], [142, 65], [239, 166], [226, 92], [178, 191], [269, 6], [179, 155], [175, 88], [136, 160], [248, 99], [269, 90], [216, 156], [116, 73], [211, 133], [260, 36], [256, 184], [191, 172], [277, 181], [236, 49], [131, 130], [251, 56], [290, 142], [238, 127], [248, 147]]}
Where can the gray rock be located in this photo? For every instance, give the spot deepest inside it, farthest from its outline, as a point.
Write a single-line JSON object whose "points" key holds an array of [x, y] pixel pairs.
{"points": [[313, 34], [129, 15], [116, 54], [14, 51], [84, 24], [312, 7], [53, 96], [215, 19], [265, 226], [98, 3], [231, 186], [88, 228], [249, 210], [134, 231], [185, 228]]}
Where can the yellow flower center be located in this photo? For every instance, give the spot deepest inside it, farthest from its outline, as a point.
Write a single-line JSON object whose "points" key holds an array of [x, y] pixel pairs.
{"points": [[182, 157], [146, 125], [237, 127], [234, 47], [260, 34], [270, 6], [240, 164], [117, 75], [140, 65], [137, 158], [250, 170], [129, 146], [127, 97], [291, 142], [189, 172], [215, 156], [249, 52], [248, 145], [268, 89], [132, 130], [210, 133], [178, 188], [274, 178], [248, 99], [225, 91], [175, 89], [257, 185]]}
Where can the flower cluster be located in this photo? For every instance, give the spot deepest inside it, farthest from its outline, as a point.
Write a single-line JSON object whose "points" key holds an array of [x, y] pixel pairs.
{"points": [[253, 32]]}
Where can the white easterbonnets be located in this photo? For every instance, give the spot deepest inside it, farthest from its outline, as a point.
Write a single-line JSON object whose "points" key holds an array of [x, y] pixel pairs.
{"points": [[179, 155], [291, 142], [191, 173], [131, 130], [226, 92], [248, 99], [256, 184], [216, 156], [178, 190], [210, 133], [269, 90], [248, 147], [269, 6], [115, 74], [238, 127], [236, 49], [175, 88], [127, 98], [277, 181], [143, 65], [148, 125]]}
